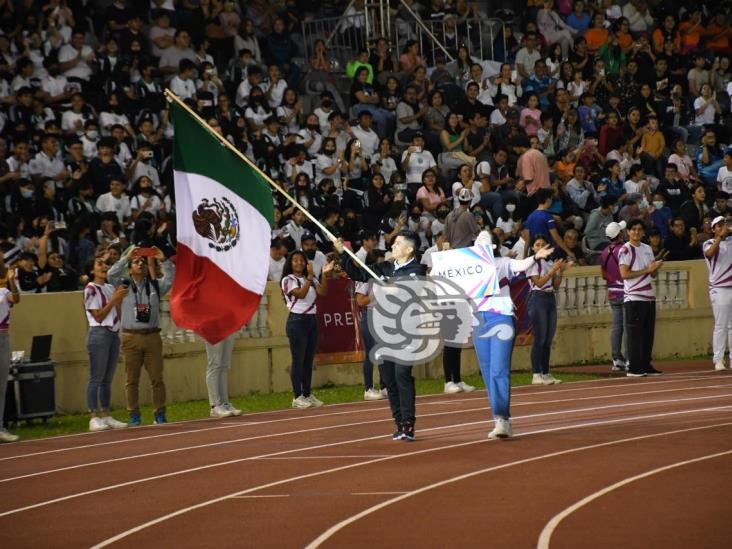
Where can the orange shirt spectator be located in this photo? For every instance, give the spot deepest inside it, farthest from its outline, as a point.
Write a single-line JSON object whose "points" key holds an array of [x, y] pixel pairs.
{"points": [[717, 34], [625, 40], [691, 32]]}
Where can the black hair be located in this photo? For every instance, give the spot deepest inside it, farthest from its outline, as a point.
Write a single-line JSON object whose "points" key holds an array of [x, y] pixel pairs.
{"points": [[635, 222], [287, 269]]}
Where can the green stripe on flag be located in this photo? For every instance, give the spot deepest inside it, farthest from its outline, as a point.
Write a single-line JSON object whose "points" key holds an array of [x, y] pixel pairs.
{"points": [[195, 150]]}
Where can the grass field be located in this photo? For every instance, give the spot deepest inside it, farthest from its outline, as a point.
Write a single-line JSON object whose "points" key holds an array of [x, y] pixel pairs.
{"points": [[197, 409]]}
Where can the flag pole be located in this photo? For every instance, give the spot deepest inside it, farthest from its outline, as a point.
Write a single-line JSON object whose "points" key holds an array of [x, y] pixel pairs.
{"points": [[172, 97]]}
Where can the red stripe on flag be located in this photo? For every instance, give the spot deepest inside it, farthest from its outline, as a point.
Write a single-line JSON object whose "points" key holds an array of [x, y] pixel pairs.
{"points": [[207, 300]]}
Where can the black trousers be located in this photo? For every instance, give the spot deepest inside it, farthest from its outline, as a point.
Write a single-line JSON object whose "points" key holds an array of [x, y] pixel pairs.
{"points": [[451, 363], [640, 323], [400, 388]]}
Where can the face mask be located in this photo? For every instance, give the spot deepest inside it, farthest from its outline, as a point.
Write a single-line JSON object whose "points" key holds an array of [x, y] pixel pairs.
{"points": [[146, 190], [313, 127], [658, 204], [92, 135], [510, 208], [442, 214], [415, 217], [27, 193], [329, 152], [310, 254], [327, 103]]}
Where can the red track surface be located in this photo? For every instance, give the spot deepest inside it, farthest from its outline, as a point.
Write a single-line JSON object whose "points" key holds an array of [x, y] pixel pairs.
{"points": [[651, 458]]}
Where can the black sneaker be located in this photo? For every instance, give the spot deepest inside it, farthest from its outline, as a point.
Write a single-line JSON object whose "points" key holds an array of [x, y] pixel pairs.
{"points": [[651, 371], [399, 434], [408, 432]]}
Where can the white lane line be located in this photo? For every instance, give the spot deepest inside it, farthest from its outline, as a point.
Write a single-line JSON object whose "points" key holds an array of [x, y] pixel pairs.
{"points": [[376, 493], [264, 496], [370, 404], [315, 429], [185, 510], [329, 457], [330, 532], [551, 526]]}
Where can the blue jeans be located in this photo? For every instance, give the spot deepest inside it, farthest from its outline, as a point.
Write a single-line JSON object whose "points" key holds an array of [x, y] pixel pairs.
{"points": [[302, 331], [618, 331], [543, 315], [103, 348], [492, 201], [493, 340]]}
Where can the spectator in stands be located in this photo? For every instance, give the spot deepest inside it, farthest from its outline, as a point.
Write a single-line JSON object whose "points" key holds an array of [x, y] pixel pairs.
{"points": [[171, 57], [722, 205], [679, 245], [599, 220], [693, 210], [579, 20], [9, 296], [610, 269], [544, 277], [661, 214], [709, 158], [140, 312]]}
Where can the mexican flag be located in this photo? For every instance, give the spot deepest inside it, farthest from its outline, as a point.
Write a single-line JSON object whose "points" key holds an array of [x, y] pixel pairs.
{"points": [[224, 219]]}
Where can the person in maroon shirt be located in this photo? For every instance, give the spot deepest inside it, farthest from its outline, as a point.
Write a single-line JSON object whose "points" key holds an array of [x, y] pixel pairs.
{"points": [[611, 134]]}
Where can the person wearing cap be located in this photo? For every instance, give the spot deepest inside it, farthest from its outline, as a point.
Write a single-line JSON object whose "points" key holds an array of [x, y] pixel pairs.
{"points": [[718, 255], [637, 267], [610, 269], [461, 228], [397, 377]]}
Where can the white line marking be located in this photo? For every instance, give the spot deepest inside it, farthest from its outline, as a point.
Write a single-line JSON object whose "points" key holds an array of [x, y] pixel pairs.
{"points": [[315, 429], [346, 522], [376, 493], [372, 406], [330, 457], [264, 496], [551, 526], [184, 510]]}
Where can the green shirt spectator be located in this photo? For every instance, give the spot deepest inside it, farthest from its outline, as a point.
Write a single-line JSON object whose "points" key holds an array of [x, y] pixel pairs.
{"points": [[361, 61]]}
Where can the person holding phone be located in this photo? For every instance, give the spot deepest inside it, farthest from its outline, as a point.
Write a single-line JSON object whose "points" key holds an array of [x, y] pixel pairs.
{"points": [[718, 256], [102, 303], [140, 311]]}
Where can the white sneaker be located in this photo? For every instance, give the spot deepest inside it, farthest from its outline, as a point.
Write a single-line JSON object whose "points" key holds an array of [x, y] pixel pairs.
{"points": [[220, 411], [538, 379], [98, 424], [451, 388], [314, 401], [550, 379], [719, 365], [234, 411], [8, 437], [372, 394], [502, 428], [301, 402], [465, 387], [384, 392], [113, 423]]}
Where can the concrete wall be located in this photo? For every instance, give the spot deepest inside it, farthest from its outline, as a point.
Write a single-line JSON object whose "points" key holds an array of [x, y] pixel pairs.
{"points": [[262, 364]]}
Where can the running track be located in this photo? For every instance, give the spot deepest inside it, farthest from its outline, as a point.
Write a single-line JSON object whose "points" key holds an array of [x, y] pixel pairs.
{"points": [[615, 462]]}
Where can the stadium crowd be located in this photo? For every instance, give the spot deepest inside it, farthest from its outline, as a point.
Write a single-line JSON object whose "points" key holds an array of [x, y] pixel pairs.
{"points": [[622, 109]]}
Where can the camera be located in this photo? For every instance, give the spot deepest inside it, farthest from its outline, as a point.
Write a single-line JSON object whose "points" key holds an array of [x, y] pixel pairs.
{"points": [[142, 313], [147, 154]]}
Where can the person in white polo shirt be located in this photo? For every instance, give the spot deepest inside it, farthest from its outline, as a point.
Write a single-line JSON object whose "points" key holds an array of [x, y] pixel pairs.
{"points": [[718, 255], [637, 267], [301, 288], [9, 296]]}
